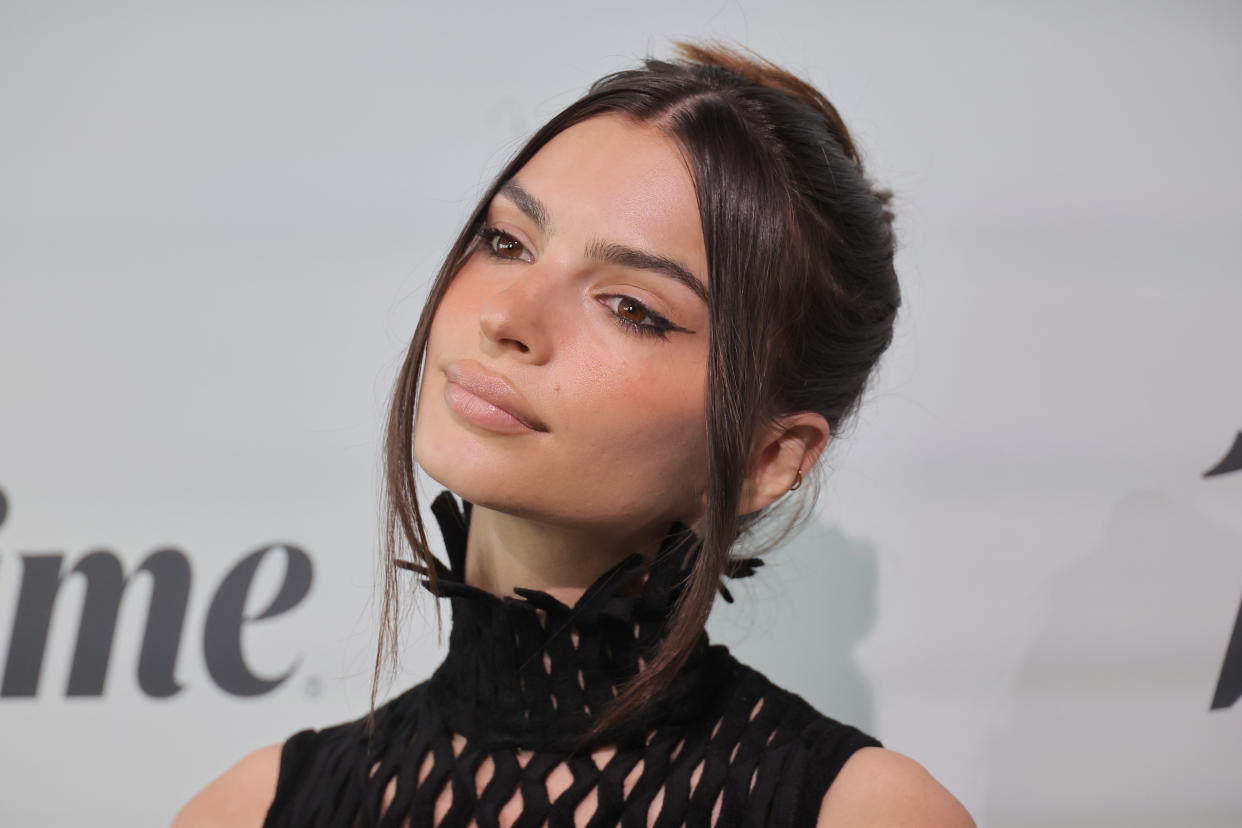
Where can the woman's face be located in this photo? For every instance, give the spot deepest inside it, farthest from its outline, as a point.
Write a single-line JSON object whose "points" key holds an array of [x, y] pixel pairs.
{"points": [[583, 312]]}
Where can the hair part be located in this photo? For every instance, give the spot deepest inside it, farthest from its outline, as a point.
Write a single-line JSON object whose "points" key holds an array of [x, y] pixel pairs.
{"points": [[791, 225]]}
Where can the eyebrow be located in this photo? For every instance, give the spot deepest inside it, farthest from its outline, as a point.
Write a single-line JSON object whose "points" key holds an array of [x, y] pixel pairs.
{"points": [[528, 204], [619, 254], [606, 252]]}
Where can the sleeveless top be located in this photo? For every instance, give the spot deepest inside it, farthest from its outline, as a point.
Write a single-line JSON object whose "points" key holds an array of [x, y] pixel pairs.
{"points": [[515, 695]]}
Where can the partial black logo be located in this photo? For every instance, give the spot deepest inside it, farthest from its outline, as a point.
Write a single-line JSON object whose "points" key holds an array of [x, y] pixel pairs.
{"points": [[169, 570], [1229, 685], [1231, 462]]}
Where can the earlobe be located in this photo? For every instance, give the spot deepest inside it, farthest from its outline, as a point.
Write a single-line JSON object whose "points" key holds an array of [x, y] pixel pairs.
{"points": [[782, 455]]}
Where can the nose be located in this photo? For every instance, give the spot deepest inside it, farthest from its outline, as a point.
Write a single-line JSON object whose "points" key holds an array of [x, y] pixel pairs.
{"points": [[515, 320]]}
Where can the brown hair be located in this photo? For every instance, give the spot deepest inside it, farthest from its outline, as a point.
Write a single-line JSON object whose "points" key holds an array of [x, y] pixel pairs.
{"points": [[792, 227]]}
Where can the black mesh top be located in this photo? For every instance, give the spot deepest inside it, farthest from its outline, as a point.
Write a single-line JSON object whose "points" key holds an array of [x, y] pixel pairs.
{"points": [[495, 736]]}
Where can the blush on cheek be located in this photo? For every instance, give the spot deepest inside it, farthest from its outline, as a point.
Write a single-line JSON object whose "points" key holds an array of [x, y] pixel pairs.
{"points": [[648, 442]]}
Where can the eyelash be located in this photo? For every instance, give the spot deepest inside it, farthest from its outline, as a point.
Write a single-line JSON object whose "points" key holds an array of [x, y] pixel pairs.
{"points": [[489, 235]]}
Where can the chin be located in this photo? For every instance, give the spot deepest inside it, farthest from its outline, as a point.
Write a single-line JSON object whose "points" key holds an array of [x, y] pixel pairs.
{"points": [[479, 477], [509, 477]]}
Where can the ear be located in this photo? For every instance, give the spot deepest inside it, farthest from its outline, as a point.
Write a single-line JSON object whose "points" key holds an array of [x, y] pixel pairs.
{"points": [[780, 450]]}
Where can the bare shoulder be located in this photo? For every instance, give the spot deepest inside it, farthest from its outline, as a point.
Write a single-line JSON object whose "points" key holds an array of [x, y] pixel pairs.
{"points": [[880, 788], [238, 797]]}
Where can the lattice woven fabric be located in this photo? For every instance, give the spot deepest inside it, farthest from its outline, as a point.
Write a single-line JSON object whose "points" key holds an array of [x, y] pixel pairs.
{"points": [[496, 736]]}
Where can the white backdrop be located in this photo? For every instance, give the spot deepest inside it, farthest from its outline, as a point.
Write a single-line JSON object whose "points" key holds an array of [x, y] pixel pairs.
{"points": [[217, 223]]}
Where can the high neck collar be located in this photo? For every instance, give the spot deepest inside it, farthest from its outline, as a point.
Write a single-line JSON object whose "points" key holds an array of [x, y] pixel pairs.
{"points": [[528, 671]]}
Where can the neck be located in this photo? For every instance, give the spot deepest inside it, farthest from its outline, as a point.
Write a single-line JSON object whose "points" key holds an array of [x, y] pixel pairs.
{"points": [[529, 670], [504, 551]]}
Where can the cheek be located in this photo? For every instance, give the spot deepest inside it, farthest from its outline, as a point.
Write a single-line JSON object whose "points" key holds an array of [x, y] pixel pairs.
{"points": [[643, 416], [451, 327], [456, 316]]}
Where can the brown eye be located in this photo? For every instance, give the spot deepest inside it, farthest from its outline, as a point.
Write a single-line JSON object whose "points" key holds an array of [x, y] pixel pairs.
{"points": [[507, 246], [631, 310], [501, 245], [629, 313]]}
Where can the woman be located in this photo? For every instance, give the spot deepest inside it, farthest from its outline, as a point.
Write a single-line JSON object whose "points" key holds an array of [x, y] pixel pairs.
{"points": [[644, 337]]}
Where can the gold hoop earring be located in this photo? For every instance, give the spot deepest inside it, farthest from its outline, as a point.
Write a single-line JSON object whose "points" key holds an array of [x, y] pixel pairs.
{"points": [[797, 481]]}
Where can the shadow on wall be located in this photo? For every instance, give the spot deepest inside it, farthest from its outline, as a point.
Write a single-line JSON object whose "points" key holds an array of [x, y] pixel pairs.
{"points": [[1110, 722], [801, 617]]}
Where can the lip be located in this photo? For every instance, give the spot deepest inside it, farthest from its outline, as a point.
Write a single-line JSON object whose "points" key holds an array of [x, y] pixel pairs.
{"points": [[488, 400]]}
